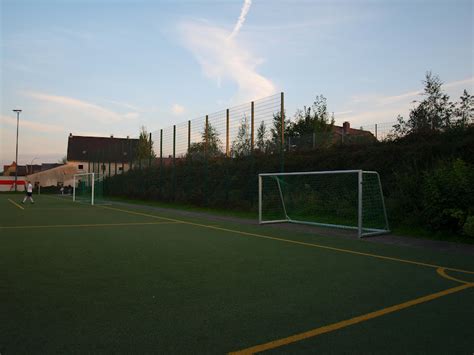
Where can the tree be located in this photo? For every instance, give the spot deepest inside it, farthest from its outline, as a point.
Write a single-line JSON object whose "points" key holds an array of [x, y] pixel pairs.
{"points": [[210, 145], [145, 145], [262, 142], [241, 146], [464, 110], [275, 132], [313, 120], [434, 112]]}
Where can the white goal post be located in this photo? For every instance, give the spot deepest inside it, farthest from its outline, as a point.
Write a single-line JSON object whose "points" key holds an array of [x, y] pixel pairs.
{"points": [[83, 187], [349, 199]]}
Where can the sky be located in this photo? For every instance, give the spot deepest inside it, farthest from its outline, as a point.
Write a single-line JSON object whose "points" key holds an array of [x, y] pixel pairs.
{"points": [[102, 67]]}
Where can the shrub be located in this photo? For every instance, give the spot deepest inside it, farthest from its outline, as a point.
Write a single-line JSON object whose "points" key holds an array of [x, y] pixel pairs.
{"points": [[448, 194], [469, 226]]}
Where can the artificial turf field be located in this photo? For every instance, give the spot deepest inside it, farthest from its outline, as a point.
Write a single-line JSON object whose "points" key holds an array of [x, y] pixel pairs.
{"points": [[76, 278]]}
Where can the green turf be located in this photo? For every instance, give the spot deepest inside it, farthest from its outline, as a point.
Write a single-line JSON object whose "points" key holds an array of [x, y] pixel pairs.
{"points": [[183, 288], [406, 231]]}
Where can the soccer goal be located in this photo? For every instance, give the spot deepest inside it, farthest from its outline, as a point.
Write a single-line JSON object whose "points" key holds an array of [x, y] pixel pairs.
{"points": [[88, 188], [349, 199]]}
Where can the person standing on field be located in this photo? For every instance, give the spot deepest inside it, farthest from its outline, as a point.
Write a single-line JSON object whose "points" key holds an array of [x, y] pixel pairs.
{"points": [[29, 192]]}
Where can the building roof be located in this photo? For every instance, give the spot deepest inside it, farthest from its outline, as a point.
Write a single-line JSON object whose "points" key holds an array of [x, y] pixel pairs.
{"points": [[23, 170], [47, 166], [347, 130], [83, 148]]}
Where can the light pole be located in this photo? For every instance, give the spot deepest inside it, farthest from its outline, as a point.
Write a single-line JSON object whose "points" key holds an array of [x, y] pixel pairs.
{"points": [[16, 156]]}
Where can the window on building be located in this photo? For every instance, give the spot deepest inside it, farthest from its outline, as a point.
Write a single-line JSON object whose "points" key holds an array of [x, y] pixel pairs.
{"points": [[80, 167]]}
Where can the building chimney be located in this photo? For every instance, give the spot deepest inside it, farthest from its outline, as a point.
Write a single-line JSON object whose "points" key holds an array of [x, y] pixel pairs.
{"points": [[346, 126]]}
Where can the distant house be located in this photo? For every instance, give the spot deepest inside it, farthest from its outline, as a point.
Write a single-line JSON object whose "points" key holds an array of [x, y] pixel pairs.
{"points": [[105, 155], [346, 134], [337, 135], [23, 170]]}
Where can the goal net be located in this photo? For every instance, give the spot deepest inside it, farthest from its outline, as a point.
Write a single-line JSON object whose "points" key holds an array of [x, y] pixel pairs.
{"points": [[88, 188], [350, 199]]}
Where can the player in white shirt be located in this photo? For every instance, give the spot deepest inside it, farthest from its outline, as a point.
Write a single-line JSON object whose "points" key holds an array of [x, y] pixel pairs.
{"points": [[29, 192]]}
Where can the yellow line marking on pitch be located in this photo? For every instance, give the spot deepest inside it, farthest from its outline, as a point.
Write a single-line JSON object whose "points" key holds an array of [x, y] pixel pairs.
{"points": [[292, 241], [16, 204], [58, 208], [442, 272], [348, 322], [338, 325], [87, 225]]}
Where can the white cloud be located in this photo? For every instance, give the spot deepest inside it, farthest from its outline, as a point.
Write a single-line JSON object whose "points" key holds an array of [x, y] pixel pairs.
{"points": [[124, 105], [64, 103], [131, 115], [223, 59], [241, 20], [409, 96], [464, 82], [177, 109], [31, 125]]}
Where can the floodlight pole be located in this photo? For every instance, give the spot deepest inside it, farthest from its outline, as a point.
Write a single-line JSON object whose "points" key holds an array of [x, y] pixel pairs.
{"points": [[16, 155]]}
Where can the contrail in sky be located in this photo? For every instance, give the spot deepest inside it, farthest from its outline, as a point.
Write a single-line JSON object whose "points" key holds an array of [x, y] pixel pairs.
{"points": [[241, 20]]}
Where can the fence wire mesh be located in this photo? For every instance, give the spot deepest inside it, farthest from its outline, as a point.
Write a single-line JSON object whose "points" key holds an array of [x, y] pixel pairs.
{"points": [[234, 132]]}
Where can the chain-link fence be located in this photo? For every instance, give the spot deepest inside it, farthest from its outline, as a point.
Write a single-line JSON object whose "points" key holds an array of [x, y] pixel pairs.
{"points": [[164, 164], [234, 132]]}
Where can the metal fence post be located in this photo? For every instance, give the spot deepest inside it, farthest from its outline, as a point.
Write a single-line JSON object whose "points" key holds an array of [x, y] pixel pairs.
{"points": [[360, 206], [174, 162], [130, 161], [206, 161], [252, 126], [151, 152], [227, 151], [206, 136], [189, 134], [282, 143], [161, 162]]}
